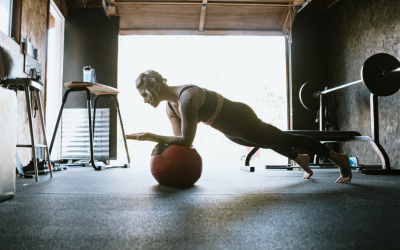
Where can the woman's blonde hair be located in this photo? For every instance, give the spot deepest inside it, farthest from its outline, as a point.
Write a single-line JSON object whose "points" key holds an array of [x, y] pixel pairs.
{"points": [[149, 78]]}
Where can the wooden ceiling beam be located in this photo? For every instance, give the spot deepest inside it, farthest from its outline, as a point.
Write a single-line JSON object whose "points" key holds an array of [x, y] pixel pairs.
{"points": [[206, 32], [202, 15], [112, 9], [172, 17], [289, 19], [127, 4], [98, 3], [84, 3]]}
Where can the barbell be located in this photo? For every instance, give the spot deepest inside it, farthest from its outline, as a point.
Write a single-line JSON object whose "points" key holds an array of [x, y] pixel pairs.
{"points": [[380, 73]]}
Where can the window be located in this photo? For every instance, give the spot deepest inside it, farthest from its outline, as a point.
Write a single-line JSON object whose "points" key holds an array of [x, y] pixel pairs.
{"points": [[6, 16]]}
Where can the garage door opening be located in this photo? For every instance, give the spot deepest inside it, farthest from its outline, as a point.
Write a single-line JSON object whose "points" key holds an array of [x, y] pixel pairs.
{"points": [[248, 69]]}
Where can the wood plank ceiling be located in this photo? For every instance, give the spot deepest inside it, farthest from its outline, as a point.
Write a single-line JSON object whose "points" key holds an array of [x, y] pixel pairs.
{"points": [[199, 17]]}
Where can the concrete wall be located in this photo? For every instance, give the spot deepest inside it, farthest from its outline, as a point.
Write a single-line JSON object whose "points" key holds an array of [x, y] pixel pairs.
{"points": [[91, 39], [356, 30], [308, 62]]}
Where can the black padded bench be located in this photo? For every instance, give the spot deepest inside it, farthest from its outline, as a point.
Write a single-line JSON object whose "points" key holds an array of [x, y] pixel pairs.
{"points": [[327, 136], [334, 136]]}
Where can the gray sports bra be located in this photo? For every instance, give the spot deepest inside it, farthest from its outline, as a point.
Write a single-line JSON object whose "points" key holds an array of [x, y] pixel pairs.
{"points": [[209, 106]]}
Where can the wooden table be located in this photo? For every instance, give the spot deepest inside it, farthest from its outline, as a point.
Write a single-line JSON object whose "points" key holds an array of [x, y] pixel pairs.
{"points": [[94, 88], [101, 91]]}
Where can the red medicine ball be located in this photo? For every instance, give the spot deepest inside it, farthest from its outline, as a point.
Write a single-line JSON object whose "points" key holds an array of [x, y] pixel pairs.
{"points": [[174, 165]]}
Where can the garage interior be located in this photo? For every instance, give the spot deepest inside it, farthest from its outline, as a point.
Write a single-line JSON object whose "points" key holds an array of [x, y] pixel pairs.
{"points": [[328, 43]]}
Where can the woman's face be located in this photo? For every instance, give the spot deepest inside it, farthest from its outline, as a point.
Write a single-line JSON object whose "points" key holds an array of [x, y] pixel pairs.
{"points": [[150, 96]]}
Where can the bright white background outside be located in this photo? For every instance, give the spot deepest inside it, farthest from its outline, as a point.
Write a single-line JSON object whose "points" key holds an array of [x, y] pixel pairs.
{"points": [[5, 14], [247, 69], [54, 76]]}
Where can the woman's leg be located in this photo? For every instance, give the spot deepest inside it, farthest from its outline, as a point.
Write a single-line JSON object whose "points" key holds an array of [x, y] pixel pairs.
{"points": [[238, 120], [270, 136], [288, 152], [266, 134]]}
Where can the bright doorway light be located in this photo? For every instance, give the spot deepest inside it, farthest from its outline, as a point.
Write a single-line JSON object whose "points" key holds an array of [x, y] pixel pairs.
{"points": [[5, 16], [54, 74], [248, 69]]}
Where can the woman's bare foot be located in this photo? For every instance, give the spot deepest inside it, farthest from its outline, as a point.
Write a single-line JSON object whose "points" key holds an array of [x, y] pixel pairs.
{"points": [[345, 170], [304, 162], [343, 163]]}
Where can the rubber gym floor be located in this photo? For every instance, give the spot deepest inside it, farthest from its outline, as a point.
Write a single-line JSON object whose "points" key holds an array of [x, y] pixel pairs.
{"points": [[227, 209]]}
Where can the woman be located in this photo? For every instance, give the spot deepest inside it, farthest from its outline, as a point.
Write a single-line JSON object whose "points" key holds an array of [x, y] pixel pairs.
{"points": [[188, 105]]}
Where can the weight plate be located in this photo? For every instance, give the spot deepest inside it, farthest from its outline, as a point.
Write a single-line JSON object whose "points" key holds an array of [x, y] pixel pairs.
{"points": [[307, 95], [373, 77]]}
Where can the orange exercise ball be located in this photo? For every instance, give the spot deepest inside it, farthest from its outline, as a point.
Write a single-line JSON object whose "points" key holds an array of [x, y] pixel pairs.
{"points": [[174, 165]]}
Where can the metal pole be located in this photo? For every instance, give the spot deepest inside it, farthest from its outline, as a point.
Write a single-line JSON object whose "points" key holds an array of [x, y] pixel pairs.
{"points": [[340, 87], [395, 71], [374, 117], [249, 155], [321, 112], [64, 100], [56, 127], [290, 83], [122, 127], [89, 107], [94, 113], [29, 110], [375, 130], [44, 129]]}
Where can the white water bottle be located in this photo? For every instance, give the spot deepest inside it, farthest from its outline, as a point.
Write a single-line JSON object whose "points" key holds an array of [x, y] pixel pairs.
{"points": [[87, 74]]}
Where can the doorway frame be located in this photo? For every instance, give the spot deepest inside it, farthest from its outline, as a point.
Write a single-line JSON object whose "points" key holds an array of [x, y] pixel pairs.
{"points": [[59, 55], [288, 64]]}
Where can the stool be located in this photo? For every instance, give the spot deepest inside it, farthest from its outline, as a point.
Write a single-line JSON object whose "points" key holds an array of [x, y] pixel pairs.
{"points": [[28, 85], [99, 90]]}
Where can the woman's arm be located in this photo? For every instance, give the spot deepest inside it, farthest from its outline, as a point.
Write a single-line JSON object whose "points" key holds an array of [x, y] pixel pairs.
{"points": [[189, 108], [175, 122]]}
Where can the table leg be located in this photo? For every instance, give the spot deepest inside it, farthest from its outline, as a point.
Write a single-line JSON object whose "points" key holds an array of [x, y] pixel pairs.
{"points": [[89, 107], [122, 128], [64, 100], [39, 101], [29, 111]]}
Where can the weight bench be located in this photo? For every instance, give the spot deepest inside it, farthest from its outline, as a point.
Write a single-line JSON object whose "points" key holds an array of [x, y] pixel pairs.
{"points": [[381, 75], [336, 136]]}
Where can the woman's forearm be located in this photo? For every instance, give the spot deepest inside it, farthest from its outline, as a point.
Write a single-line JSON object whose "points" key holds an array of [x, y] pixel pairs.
{"points": [[176, 140]]}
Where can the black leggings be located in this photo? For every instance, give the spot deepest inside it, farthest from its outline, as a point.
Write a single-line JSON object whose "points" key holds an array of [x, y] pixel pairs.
{"points": [[240, 124]]}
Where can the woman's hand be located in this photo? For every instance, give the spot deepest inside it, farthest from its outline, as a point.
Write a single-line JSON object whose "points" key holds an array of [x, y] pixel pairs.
{"points": [[145, 136]]}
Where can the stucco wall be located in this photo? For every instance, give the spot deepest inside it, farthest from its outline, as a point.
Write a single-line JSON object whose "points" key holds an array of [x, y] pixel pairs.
{"points": [[356, 30], [33, 24]]}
